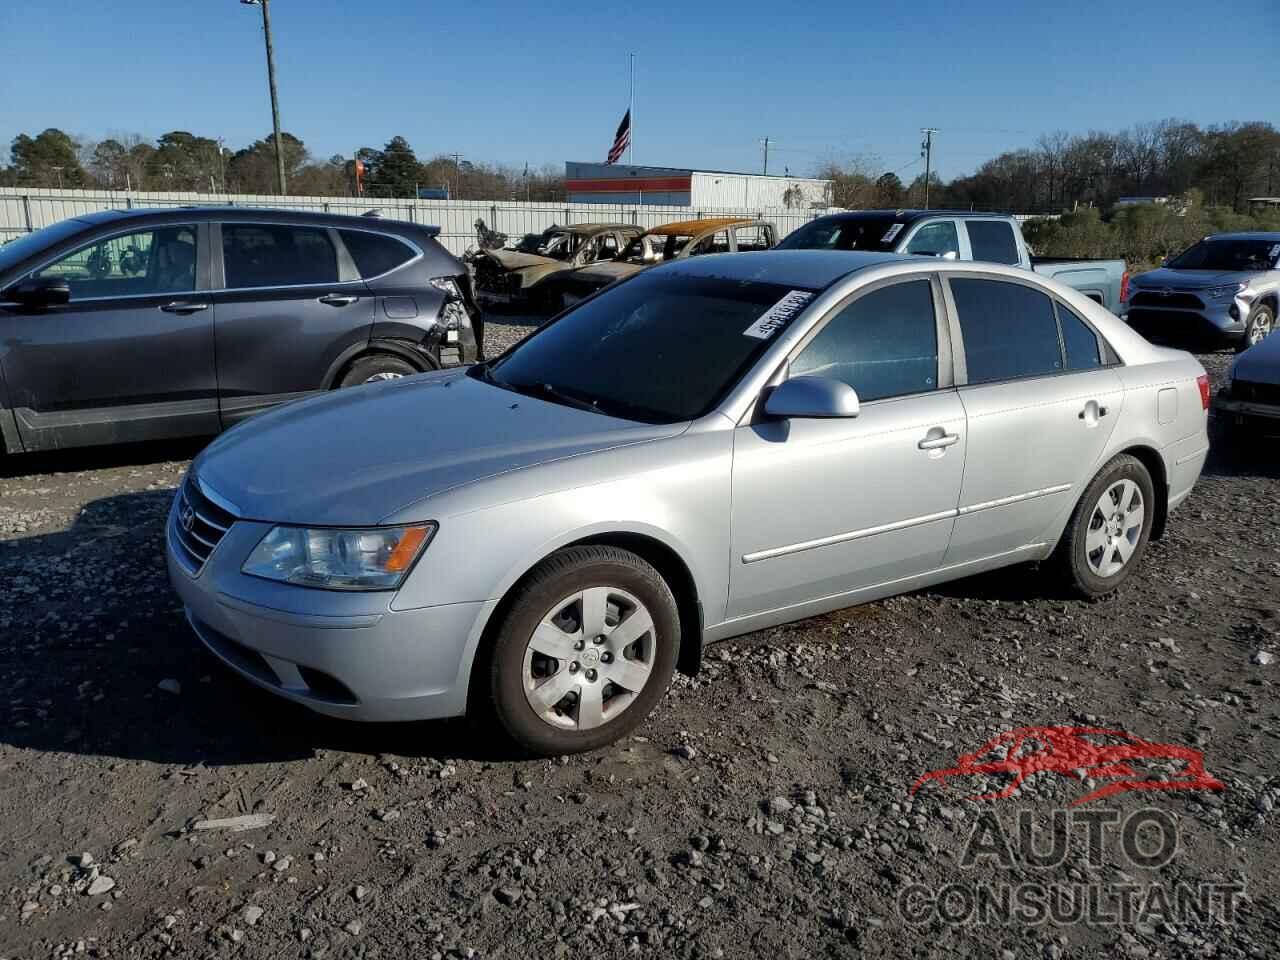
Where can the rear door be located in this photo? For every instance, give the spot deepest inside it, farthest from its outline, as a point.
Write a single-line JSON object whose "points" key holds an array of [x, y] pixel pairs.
{"points": [[1040, 401], [291, 304], [130, 357]]}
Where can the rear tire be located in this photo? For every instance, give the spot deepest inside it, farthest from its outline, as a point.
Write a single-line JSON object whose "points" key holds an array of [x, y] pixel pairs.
{"points": [[1108, 532], [584, 652], [375, 368]]}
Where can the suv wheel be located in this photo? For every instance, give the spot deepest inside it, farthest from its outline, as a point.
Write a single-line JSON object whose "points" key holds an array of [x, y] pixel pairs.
{"points": [[1262, 320], [1109, 528], [585, 651], [376, 368]]}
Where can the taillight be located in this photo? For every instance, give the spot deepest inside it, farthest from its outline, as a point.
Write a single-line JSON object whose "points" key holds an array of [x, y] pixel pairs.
{"points": [[1202, 382], [1124, 287]]}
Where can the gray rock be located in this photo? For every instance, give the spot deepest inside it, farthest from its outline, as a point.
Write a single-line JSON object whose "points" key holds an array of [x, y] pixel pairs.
{"points": [[252, 915], [100, 885], [169, 685]]}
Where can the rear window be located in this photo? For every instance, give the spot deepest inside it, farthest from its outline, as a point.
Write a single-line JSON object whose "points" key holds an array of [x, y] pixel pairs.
{"points": [[1009, 330], [992, 241], [375, 253]]}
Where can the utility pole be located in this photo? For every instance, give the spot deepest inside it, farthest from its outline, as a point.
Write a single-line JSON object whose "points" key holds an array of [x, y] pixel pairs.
{"points": [[926, 151], [271, 81], [765, 143], [457, 167], [58, 171]]}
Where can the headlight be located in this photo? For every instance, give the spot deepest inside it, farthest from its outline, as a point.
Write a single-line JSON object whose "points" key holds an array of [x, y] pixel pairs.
{"points": [[331, 559], [1228, 292]]}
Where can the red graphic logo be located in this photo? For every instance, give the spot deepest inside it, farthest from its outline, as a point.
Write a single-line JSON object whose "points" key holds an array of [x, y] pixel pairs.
{"points": [[1079, 752]]}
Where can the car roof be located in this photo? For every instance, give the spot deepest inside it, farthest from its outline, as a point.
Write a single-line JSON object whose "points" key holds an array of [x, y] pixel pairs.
{"points": [[812, 269], [1247, 235], [594, 227], [909, 216], [685, 227], [252, 215]]}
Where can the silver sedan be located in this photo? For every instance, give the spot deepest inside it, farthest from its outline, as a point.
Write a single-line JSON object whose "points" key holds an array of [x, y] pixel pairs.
{"points": [[715, 446]]}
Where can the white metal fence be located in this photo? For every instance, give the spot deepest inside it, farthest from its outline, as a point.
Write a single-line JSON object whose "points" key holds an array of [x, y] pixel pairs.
{"points": [[23, 210]]}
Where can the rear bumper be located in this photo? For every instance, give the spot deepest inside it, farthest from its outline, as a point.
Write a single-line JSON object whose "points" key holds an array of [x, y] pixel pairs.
{"points": [[1262, 419]]}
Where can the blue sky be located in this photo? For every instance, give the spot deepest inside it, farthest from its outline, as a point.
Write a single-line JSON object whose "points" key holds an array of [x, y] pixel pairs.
{"points": [[547, 82]]}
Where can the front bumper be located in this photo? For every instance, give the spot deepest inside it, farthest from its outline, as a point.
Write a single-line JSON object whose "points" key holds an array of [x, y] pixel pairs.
{"points": [[1187, 317], [347, 655]]}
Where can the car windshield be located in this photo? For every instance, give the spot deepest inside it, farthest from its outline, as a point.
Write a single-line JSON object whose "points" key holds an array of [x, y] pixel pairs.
{"points": [[1235, 255], [15, 251], [662, 348], [846, 233]]}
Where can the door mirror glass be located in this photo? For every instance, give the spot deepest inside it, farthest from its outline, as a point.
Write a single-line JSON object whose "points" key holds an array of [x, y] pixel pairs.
{"points": [[814, 398], [40, 292]]}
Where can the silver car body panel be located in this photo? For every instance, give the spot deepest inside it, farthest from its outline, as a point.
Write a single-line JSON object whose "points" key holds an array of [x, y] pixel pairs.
{"points": [[773, 520]]}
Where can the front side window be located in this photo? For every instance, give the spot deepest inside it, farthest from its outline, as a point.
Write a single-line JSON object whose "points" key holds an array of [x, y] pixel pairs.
{"points": [[884, 344], [1079, 341], [992, 241], [277, 255], [374, 253], [661, 348], [1009, 330], [935, 239], [751, 238], [718, 242], [141, 264]]}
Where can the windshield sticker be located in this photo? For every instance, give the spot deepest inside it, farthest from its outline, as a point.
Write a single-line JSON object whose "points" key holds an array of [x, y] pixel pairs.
{"points": [[1275, 251], [779, 315], [892, 232]]}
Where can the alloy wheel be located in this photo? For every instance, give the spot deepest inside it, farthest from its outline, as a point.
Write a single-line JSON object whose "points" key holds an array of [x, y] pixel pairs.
{"points": [[1259, 327], [386, 375], [589, 657], [1115, 527]]}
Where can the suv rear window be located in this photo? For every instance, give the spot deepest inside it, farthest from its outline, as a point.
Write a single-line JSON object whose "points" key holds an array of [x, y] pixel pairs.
{"points": [[992, 241], [375, 253], [276, 255]]}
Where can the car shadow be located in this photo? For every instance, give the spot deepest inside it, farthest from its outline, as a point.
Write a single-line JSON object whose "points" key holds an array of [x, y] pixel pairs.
{"points": [[89, 630], [1244, 457], [76, 459]]}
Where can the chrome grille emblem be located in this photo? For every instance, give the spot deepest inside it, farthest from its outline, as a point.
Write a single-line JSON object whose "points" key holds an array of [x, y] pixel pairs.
{"points": [[187, 517]]}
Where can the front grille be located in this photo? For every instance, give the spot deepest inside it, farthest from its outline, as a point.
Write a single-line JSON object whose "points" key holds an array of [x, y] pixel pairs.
{"points": [[1268, 393], [199, 525], [1175, 299], [1172, 326]]}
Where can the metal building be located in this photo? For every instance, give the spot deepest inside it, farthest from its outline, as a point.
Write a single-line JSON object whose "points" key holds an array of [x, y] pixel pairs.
{"points": [[621, 183]]}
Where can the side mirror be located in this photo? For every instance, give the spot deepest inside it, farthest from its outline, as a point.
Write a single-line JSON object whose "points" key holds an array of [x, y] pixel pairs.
{"points": [[811, 398], [40, 292], [951, 255]]}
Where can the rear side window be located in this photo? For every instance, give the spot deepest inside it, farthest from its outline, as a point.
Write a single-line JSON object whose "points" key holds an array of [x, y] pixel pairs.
{"points": [[884, 344], [1080, 343], [375, 253], [992, 241], [275, 255], [1009, 330]]}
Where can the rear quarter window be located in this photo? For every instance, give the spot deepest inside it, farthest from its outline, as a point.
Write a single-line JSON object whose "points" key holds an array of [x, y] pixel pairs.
{"points": [[1080, 342], [375, 253]]}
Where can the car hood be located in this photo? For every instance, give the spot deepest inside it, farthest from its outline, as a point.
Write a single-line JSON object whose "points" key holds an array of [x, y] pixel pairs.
{"points": [[359, 455], [514, 260], [610, 270], [1187, 279], [1260, 363]]}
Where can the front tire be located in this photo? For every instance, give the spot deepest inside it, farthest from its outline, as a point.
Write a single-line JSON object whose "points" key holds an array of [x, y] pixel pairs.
{"points": [[1109, 529], [586, 649], [1262, 321]]}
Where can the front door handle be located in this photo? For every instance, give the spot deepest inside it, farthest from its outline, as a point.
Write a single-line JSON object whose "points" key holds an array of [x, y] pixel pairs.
{"points": [[184, 307], [339, 299], [940, 442]]}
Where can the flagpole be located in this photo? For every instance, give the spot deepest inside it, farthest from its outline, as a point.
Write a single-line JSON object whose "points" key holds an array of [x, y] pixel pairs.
{"points": [[631, 109]]}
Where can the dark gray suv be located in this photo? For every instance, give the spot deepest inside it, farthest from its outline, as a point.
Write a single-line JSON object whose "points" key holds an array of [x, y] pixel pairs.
{"points": [[140, 324]]}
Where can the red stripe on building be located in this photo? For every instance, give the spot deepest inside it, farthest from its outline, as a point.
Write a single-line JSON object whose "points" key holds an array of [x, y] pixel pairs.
{"points": [[630, 185]]}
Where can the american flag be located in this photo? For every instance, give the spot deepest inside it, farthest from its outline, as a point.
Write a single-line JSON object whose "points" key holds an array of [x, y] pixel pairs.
{"points": [[621, 139]]}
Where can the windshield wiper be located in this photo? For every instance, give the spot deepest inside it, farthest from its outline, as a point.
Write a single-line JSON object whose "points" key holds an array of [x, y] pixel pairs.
{"points": [[550, 392]]}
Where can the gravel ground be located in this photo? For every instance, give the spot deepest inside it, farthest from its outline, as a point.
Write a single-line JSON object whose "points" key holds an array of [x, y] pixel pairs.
{"points": [[762, 811]]}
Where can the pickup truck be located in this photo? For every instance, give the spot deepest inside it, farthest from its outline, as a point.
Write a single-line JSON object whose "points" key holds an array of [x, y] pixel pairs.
{"points": [[959, 235]]}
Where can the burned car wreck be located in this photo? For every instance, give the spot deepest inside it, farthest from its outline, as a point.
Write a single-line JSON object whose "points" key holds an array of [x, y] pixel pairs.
{"points": [[522, 276]]}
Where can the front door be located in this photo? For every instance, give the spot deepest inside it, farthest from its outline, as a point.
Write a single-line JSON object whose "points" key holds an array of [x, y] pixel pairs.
{"points": [[290, 306], [130, 357], [823, 508], [1041, 404]]}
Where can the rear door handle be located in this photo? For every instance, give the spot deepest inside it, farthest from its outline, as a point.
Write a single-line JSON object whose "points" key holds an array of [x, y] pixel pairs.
{"points": [[184, 307], [938, 443], [339, 299], [1084, 414]]}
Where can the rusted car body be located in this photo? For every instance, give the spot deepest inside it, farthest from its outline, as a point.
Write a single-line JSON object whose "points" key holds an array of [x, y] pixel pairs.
{"points": [[671, 241], [515, 276]]}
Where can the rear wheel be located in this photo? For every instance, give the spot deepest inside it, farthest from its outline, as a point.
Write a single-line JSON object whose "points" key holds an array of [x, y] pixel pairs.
{"points": [[586, 650], [375, 368], [1109, 529]]}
